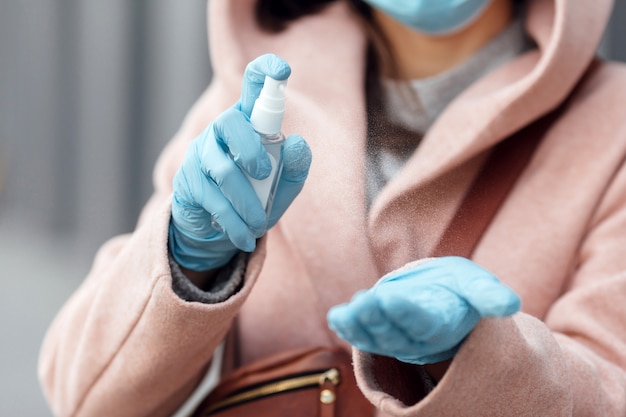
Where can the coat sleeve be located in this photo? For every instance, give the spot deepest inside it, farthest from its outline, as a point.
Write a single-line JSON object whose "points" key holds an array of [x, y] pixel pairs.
{"points": [[571, 363], [124, 344]]}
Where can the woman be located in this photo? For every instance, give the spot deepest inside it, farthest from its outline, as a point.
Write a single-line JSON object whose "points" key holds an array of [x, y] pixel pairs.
{"points": [[400, 108]]}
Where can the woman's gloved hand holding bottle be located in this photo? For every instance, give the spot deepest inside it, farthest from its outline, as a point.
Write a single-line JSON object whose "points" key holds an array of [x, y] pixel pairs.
{"points": [[215, 210]]}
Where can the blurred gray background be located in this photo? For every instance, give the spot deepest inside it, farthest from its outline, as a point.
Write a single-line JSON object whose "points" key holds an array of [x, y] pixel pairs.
{"points": [[90, 91]]}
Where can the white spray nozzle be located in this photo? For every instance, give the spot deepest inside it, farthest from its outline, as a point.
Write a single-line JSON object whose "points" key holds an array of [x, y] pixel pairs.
{"points": [[269, 108]]}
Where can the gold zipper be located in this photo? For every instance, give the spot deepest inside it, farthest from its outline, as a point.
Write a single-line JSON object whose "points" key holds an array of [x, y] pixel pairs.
{"points": [[284, 385]]}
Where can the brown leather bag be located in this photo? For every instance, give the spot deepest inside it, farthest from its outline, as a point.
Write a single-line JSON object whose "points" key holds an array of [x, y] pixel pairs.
{"points": [[317, 382]]}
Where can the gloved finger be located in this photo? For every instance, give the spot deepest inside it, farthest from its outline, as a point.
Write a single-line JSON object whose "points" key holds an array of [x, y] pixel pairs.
{"points": [[190, 216], [343, 321], [224, 170], [296, 159], [432, 330], [234, 133], [387, 338], [420, 323], [433, 315], [296, 163], [207, 194], [482, 290], [425, 358], [492, 299], [254, 77], [220, 169]]}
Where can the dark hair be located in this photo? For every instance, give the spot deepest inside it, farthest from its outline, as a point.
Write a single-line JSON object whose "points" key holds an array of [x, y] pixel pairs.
{"points": [[273, 15]]}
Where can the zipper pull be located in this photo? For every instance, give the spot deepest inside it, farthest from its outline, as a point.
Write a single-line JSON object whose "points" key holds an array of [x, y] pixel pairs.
{"points": [[328, 382], [332, 375]]}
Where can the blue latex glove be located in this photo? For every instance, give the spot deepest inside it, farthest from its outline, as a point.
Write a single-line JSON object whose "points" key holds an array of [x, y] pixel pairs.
{"points": [[422, 314], [210, 186]]}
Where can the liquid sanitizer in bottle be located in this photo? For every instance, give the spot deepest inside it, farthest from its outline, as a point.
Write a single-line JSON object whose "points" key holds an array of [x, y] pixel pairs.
{"points": [[266, 119]]}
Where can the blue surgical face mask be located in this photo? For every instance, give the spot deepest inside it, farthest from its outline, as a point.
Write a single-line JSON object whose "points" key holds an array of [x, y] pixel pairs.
{"points": [[433, 17]]}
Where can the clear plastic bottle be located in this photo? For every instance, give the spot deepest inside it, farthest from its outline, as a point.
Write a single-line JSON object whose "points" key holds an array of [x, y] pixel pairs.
{"points": [[266, 119]]}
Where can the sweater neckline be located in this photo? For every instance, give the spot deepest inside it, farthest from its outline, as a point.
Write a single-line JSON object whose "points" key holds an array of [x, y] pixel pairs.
{"points": [[415, 104]]}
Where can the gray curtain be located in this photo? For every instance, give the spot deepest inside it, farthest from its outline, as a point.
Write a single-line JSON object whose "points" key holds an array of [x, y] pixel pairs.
{"points": [[615, 39], [90, 91]]}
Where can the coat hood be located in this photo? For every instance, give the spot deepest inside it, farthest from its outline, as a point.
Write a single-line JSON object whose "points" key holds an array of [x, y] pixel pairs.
{"points": [[566, 32], [326, 104]]}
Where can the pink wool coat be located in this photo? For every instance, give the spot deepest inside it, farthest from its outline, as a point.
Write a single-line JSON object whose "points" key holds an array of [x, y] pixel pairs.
{"points": [[126, 345]]}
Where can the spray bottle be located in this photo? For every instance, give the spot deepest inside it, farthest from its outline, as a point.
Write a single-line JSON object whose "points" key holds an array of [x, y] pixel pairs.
{"points": [[266, 119]]}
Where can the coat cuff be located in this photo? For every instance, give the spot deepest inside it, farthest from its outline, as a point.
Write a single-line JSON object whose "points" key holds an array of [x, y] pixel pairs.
{"points": [[227, 282], [507, 366]]}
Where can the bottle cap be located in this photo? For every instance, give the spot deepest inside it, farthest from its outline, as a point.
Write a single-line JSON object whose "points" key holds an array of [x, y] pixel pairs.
{"points": [[269, 108]]}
